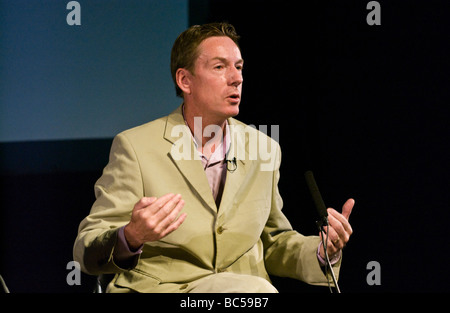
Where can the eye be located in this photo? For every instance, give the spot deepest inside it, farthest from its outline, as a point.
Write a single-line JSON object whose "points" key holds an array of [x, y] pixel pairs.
{"points": [[219, 67]]}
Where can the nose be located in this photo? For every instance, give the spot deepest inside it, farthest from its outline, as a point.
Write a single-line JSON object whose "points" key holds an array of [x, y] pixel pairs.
{"points": [[235, 77]]}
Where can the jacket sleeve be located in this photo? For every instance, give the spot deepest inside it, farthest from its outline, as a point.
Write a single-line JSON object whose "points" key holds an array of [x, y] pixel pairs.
{"points": [[287, 252], [116, 192]]}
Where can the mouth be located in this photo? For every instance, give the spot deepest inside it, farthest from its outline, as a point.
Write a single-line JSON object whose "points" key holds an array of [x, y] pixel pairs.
{"points": [[234, 98]]}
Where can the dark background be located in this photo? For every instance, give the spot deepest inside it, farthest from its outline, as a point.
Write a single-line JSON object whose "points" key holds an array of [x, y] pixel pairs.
{"points": [[364, 107]]}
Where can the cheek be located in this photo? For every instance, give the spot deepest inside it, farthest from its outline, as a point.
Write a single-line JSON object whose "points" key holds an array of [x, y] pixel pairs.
{"points": [[212, 87]]}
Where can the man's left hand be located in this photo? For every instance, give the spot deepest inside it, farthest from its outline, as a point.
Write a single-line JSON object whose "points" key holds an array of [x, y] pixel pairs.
{"points": [[339, 229]]}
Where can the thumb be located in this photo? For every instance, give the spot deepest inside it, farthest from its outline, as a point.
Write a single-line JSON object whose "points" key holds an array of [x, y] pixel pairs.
{"points": [[347, 208]]}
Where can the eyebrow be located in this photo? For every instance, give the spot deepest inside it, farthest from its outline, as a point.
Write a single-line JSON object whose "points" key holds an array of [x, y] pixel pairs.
{"points": [[224, 60]]}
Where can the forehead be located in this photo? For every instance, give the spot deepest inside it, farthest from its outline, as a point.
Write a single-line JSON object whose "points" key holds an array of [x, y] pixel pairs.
{"points": [[219, 47]]}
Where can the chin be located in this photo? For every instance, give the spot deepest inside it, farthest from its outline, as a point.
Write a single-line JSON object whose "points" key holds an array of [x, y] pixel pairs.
{"points": [[236, 111], [233, 110]]}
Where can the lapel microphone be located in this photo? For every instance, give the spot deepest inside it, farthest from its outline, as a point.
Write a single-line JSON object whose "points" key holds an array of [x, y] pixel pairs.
{"points": [[233, 165]]}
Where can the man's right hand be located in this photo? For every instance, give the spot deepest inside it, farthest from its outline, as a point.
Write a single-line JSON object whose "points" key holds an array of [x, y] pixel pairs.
{"points": [[154, 218]]}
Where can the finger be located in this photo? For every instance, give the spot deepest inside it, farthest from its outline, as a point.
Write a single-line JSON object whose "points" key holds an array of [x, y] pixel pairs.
{"points": [[339, 234], [159, 203], [168, 207], [174, 226], [339, 222], [347, 208], [144, 202], [172, 221], [171, 215], [332, 240]]}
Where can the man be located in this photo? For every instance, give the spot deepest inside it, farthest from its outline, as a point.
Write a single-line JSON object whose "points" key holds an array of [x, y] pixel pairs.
{"points": [[181, 210]]}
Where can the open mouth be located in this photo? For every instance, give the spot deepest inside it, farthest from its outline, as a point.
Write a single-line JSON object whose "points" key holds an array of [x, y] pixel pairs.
{"points": [[234, 98]]}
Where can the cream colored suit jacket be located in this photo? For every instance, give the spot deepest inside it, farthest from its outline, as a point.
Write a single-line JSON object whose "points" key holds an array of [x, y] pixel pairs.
{"points": [[247, 234]]}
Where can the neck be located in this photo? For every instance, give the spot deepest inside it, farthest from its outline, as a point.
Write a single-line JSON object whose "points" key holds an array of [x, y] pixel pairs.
{"points": [[204, 127]]}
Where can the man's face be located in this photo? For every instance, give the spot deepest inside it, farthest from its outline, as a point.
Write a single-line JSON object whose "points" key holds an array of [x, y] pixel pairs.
{"points": [[216, 86]]}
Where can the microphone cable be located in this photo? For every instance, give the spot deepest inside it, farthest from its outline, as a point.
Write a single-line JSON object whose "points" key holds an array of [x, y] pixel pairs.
{"points": [[328, 266]]}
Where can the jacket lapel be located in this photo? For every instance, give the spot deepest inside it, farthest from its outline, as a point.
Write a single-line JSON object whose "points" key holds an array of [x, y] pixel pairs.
{"points": [[238, 152], [183, 153]]}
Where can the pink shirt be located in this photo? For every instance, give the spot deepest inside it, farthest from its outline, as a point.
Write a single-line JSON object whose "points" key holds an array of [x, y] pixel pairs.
{"points": [[216, 167]]}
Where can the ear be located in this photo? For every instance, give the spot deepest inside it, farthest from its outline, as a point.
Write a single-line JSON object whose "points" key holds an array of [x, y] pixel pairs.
{"points": [[183, 79]]}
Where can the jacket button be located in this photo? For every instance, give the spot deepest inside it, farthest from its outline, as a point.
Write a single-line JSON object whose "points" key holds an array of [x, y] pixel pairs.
{"points": [[220, 230]]}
